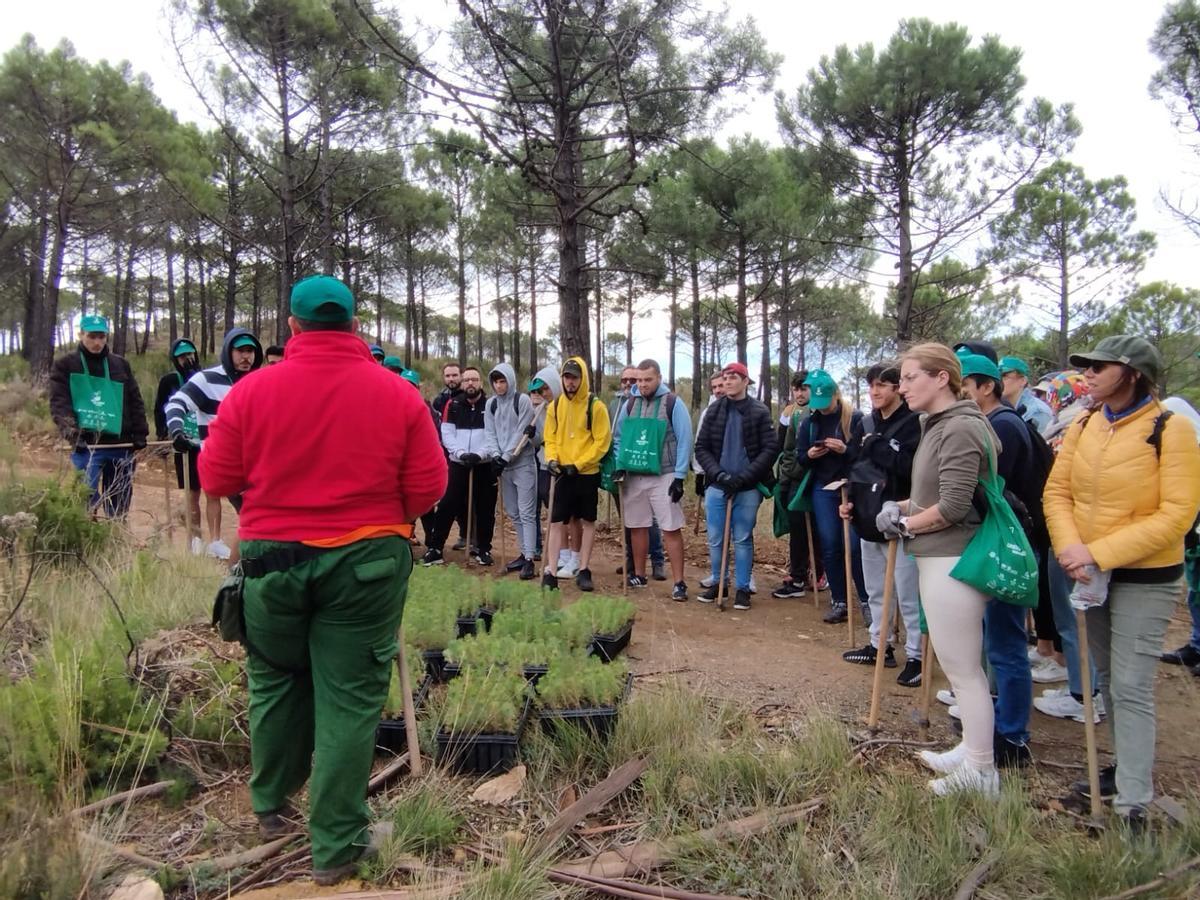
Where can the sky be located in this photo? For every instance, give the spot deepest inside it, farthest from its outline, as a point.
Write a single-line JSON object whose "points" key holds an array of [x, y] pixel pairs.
{"points": [[1094, 56]]}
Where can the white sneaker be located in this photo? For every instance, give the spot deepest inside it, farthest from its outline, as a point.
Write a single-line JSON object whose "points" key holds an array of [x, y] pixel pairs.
{"points": [[946, 696], [197, 547], [944, 763], [568, 570], [1061, 705], [1034, 656], [707, 581], [219, 549], [1047, 671], [753, 586], [954, 712], [968, 778]]}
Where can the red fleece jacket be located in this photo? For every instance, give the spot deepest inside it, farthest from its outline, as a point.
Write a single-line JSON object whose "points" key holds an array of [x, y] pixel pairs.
{"points": [[323, 443]]}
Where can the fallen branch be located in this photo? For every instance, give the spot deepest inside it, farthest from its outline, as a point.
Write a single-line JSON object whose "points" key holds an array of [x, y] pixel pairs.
{"points": [[129, 856], [616, 887], [149, 790], [1160, 881], [975, 878], [232, 861], [593, 801], [383, 775], [437, 892], [274, 865], [1061, 765]]}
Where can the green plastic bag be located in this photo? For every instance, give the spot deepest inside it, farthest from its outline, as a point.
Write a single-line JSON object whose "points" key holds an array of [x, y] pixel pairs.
{"points": [[999, 560], [99, 403], [800, 501]]}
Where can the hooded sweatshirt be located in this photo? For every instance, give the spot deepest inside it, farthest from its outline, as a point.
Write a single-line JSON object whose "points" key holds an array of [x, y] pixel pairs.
{"points": [[506, 418], [568, 439], [549, 375], [168, 385], [202, 394], [679, 428]]}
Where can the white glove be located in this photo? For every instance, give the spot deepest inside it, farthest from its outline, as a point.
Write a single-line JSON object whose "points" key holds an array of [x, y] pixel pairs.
{"points": [[889, 521]]}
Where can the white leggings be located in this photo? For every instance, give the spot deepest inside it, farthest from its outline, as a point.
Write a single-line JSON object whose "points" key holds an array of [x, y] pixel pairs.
{"points": [[954, 613]]}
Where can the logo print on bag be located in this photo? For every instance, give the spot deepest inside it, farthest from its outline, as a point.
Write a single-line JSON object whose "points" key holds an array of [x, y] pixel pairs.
{"points": [[643, 440], [97, 400]]}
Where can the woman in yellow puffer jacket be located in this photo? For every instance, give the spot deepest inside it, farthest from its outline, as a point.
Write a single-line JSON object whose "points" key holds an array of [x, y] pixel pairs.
{"points": [[1120, 498]]}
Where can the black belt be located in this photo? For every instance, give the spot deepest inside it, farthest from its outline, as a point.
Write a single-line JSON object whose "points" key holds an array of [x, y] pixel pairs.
{"points": [[281, 559]]}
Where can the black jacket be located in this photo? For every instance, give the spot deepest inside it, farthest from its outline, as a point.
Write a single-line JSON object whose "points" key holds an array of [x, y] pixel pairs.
{"points": [[895, 455], [168, 385], [758, 434], [133, 415], [818, 426]]}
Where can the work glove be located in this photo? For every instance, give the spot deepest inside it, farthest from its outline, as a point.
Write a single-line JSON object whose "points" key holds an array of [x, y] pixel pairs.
{"points": [[498, 465], [570, 470], [470, 459], [888, 521], [554, 468], [701, 485], [531, 432], [675, 491], [138, 443], [183, 444], [727, 483], [618, 476]]}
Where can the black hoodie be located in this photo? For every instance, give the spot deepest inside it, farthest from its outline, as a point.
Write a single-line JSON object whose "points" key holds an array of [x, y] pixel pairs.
{"points": [[169, 384]]}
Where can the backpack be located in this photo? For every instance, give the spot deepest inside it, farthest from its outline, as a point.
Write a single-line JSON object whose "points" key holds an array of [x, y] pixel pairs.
{"points": [[494, 402], [869, 485]]}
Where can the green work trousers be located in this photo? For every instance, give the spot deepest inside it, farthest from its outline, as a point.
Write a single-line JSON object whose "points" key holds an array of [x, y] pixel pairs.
{"points": [[323, 635]]}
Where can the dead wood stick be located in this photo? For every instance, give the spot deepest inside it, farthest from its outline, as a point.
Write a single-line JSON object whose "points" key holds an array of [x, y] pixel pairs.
{"points": [[605, 829], [258, 854], [438, 892], [1158, 882], [129, 856], [975, 878], [273, 865], [148, 790], [599, 884], [593, 801], [383, 775]]}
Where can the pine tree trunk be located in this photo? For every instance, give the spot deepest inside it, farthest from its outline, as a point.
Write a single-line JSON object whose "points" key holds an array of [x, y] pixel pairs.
{"points": [[172, 300], [697, 334]]}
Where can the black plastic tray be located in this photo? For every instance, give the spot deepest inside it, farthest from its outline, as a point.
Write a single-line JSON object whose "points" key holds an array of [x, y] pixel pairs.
{"points": [[481, 754], [485, 615], [609, 646], [599, 720], [531, 673], [435, 664], [390, 736], [467, 625]]}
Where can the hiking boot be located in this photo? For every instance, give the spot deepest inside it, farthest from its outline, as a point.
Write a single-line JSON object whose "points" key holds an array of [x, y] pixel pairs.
{"points": [[1108, 785], [910, 675], [550, 582], [379, 833], [584, 580], [460, 544], [966, 779], [709, 594], [1187, 655], [527, 571], [1010, 754], [742, 600], [482, 557], [515, 565], [788, 589], [658, 571], [863, 656], [432, 557], [285, 820], [835, 615], [637, 581], [679, 592]]}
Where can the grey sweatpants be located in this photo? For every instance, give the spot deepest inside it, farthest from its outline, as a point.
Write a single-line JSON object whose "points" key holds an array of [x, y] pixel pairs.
{"points": [[906, 594], [1126, 637], [519, 487]]}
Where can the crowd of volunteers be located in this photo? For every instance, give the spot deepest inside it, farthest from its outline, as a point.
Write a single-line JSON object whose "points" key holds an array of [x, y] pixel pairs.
{"points": [[331, 459]]}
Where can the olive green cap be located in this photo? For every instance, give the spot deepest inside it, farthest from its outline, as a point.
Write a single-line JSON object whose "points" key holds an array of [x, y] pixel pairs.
{"points": [[1126, 349]]}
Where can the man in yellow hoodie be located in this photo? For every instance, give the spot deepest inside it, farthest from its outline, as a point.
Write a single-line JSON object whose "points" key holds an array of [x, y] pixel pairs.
{"points": [[577, 436]]}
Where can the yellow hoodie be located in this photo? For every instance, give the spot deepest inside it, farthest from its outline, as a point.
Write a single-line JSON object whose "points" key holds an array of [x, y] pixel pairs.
{"points": [[567, 437]]}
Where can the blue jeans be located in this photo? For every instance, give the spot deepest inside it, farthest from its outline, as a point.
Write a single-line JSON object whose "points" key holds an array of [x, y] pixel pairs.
{"points": [[109, 474], [741, 533], [1193, 602], [1064, 621], [1007, 653], [830, 532]]}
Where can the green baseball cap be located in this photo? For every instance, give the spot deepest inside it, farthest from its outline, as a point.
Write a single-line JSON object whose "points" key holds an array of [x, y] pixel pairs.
{"points": [[246, 340], [1014, 364], [822, 387], [974, 364], [1127, 349], [184, 347], [393, 363], [412, 377], [89, 324], [322, 298], [536, 385]]}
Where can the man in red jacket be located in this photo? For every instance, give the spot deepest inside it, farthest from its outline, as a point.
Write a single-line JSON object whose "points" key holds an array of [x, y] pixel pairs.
{"points": [[334, 457]]}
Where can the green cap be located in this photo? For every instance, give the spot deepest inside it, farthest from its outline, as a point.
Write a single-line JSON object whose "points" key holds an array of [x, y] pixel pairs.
{"points": [[536, 385], [974, 364], [322, 298], [393, 363], [411, 376], [1014, 364], [822, 387], [1127, 349], [246, 340], [184, 347], [88, 324]]}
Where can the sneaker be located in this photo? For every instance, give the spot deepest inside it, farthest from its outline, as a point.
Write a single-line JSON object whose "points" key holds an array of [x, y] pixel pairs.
{"points": [[432, 557], [954, 712], [865, 656], [564, 558], [910, 675], [944, 763], [1048, 671], [823, 584], [460, 544], [1195, 670], [1034, 656], [549, 582], [567, 571], [707, 581], [1187, 655], [1061, 705], [515, 565], [379, 833], [788, 589], [1108, 785], [482, 557], [527, 571], [709, 594], [197, 546], [679, 592], [753, 586], [537, 556], [968, 779], [1010, 754], [1136, 821], [946, 696], [658, 571], [742, 601], [584, 580], [637, 581], [835, 615], [285, 820], [218, 549]]}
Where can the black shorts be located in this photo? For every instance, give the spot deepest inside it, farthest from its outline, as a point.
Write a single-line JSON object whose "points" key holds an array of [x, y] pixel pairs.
{"points": [[193, 471], [576, 497]]}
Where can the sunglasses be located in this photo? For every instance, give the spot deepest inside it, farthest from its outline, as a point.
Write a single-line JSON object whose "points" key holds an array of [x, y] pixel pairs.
{"points": [[628, 381], [1097, 367]]}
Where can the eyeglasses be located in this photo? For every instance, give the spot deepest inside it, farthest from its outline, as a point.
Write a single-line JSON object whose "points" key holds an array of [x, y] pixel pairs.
{"points": [[628, 381]]}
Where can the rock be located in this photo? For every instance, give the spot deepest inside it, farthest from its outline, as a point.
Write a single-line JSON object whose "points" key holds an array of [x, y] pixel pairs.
{"points": [[137, 887]]}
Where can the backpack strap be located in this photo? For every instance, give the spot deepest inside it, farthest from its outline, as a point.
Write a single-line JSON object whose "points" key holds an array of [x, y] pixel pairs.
{"points": [[1156, 433], [492, 405]]}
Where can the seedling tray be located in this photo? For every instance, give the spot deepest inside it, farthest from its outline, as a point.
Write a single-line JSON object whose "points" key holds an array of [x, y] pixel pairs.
{"points": [[467, 625], [435, 664], [609, 646], [599, 720], [480, 754], [485, 616], [531, 673], [390, 736]]}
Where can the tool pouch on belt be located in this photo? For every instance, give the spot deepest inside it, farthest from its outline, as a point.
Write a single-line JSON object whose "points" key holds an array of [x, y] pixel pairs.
{"points": [[228, 616]]}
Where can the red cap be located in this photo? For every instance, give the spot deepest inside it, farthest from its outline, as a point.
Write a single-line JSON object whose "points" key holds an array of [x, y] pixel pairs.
{"points": [[736, 368]]}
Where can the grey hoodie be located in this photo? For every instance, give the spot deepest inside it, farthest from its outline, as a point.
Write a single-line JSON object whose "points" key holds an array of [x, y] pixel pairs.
{"points": [[548, 374], [506, 418]]}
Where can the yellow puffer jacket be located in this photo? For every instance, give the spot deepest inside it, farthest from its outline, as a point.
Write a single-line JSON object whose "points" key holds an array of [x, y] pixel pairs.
{"points": [[567, 437], [1110, 490]]}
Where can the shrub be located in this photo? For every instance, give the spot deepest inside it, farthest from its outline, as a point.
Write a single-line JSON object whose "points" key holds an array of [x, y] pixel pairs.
{"points": [[64, 525], [578, 681], [485, 702], [511, 654], [429, 624], [600, 615]]}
